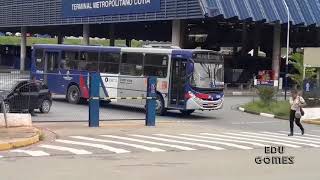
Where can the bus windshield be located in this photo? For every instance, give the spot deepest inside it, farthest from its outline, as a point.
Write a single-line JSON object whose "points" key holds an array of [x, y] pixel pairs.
{"points": [[208, 71]]}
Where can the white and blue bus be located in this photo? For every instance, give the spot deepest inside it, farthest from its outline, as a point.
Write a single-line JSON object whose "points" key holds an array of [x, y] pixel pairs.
{"points": [[188, 80]]}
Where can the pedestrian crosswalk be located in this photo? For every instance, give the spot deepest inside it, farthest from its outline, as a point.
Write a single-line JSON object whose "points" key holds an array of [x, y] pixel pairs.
{"points": [[159, 143]]}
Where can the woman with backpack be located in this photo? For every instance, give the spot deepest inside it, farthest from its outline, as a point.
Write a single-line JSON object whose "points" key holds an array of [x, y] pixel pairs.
{"points": [[296, 111]]}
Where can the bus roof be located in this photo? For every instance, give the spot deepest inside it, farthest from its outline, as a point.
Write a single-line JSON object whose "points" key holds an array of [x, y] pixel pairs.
{"points": [[116, 49]]}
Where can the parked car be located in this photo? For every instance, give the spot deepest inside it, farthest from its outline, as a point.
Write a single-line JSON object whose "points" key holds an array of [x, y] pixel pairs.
{"points": [[17, 34], [8, 33], [26, 95]]}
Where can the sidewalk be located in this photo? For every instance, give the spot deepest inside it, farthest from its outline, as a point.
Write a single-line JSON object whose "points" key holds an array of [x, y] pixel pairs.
{"points": [[18, 137], [312, 116]]}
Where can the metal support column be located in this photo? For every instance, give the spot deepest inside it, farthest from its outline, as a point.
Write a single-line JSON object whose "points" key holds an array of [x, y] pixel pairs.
{"points": [[60, 38], [151, 103], [276, 50], [94, 102], [111, 35], [23, 48], [128, 42], [86, 34], [178, 29]]}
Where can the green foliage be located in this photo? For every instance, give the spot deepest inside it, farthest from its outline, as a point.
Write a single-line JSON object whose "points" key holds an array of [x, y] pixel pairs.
{"points": [[12, 40], [278, 108], [266, 94], [298, 64]]}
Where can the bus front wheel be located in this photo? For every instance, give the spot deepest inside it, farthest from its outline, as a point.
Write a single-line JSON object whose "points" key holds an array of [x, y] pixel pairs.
{"points": [[73, 95], [160, 109], [187, 112]]}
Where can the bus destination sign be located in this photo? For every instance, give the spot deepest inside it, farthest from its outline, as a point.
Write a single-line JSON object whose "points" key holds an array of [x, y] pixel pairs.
{"points": [[85, 8], [208, 57]]}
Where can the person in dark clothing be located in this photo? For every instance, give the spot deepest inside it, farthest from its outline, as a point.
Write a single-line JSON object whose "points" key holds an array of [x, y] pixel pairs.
{"points": [[296, 103]]}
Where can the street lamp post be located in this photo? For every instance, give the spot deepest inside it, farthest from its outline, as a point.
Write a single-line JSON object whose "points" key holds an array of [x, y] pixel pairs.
{"points": [[287, 56]]}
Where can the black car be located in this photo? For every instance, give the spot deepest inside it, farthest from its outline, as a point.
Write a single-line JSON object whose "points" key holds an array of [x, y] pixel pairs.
{"points": [[25, 96]]}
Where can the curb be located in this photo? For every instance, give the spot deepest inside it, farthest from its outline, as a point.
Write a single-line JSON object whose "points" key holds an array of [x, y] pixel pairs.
{"points": [[315, 122], [21, 142], [261, 114], [246, 93]]}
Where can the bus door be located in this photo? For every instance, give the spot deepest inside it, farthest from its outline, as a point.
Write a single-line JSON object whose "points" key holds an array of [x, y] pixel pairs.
{"points": [[177, 82], [52, 72]]}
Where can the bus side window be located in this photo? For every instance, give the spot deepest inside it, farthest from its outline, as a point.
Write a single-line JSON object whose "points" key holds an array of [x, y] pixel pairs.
{"points": [[39, 58], [156, 65], [82, 61], [132, 64], [69, 60], [109, 62], [92, 61]]}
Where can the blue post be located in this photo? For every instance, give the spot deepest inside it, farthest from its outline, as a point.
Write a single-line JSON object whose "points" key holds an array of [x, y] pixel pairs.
{"points": [[151, 103], [94, 102]]}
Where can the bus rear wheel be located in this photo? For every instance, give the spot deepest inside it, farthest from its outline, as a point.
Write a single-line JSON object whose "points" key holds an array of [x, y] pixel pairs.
{"points": [[73, 95], [160, 109], [187, 112]]}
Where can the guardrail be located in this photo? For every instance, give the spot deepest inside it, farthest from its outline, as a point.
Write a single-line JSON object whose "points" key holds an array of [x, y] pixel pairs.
{"points": [[4, 111]]}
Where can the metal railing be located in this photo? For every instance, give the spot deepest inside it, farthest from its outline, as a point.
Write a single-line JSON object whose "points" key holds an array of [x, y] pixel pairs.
{"points": [[4, 111]]}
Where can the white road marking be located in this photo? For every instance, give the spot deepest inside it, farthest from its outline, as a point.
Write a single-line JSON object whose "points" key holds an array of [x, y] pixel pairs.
{"points": [[280, 142], [206, 141], [61, 148], [280, 139], [305, 135], [151, 142], [297, 138], [256, 122], [301, 136], [250, 139], [227, 140], [312, 135], [152, 149], [100, 146], [182, 142], [31, 153]]}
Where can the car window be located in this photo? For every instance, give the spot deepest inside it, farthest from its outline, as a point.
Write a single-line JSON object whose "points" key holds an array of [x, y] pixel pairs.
{"points": [[34, 87], [24, 87]]}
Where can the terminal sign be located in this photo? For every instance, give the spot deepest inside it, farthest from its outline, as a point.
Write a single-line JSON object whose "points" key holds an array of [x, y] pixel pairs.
{"points": [[85, 8]]}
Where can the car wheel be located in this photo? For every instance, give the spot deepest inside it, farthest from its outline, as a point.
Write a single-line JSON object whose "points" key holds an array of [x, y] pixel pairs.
{"points": [[160, 109], [73, 95], [187, 112], [45, 106]]}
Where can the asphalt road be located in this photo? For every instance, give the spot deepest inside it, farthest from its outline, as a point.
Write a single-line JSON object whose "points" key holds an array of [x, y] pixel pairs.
{"points": [[228, 117], [63, 111], [177, 148]]}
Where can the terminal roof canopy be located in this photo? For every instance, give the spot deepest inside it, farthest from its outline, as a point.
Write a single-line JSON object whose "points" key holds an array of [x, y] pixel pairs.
{"points": [[303, 12]]}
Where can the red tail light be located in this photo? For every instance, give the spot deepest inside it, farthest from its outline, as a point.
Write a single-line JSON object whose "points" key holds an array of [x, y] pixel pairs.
{"points": [[202, 96]]}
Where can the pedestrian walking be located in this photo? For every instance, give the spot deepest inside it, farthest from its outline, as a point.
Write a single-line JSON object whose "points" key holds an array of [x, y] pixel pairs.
{"points": [[296, 111]]}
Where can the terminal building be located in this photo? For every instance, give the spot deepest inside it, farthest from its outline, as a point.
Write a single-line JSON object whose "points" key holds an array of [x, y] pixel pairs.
{"points": [[236, 27]]}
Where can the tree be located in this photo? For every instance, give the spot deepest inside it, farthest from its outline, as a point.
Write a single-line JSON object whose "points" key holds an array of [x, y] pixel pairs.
{"points": [[297, 62]]}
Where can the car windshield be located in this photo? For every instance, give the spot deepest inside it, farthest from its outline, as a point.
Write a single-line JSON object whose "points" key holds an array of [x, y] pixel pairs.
{"points": [[208, 71]]}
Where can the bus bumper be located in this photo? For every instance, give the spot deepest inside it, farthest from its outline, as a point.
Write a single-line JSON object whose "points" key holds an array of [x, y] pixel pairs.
{"points": [[198, 104]]}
